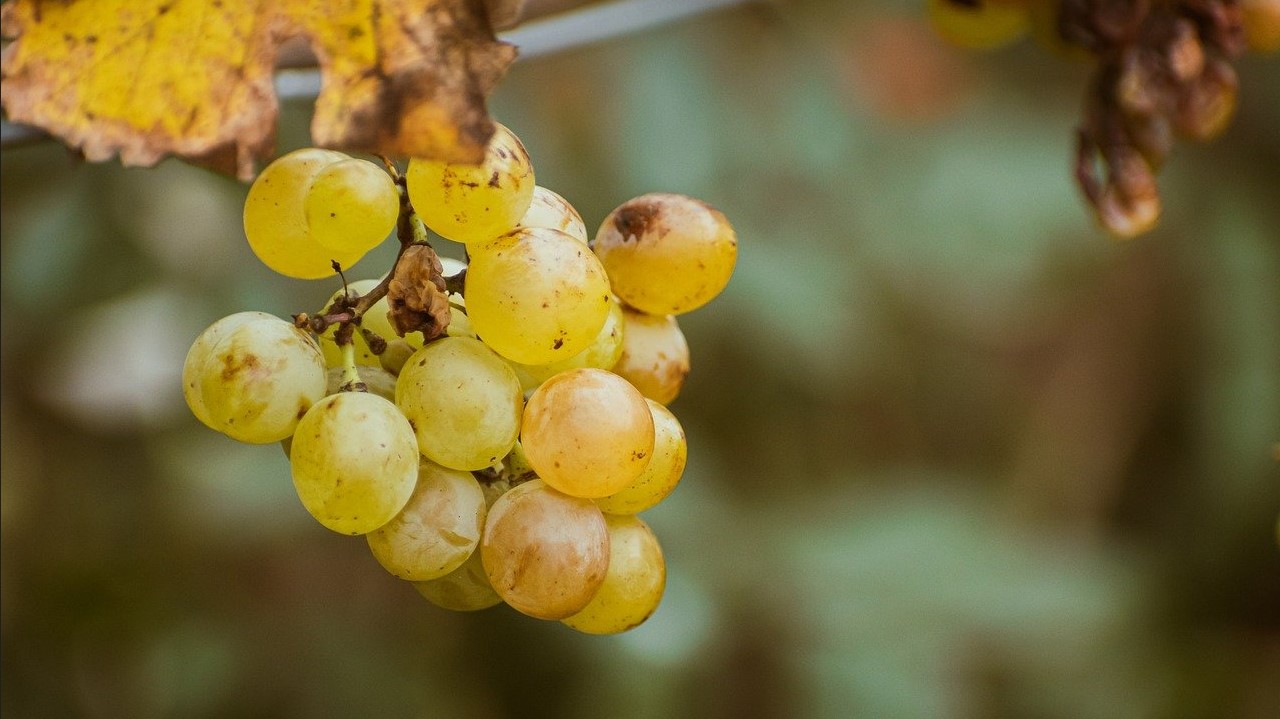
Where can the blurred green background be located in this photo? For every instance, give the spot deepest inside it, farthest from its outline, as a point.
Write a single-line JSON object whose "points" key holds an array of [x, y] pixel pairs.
{"points": [[953, 452]]}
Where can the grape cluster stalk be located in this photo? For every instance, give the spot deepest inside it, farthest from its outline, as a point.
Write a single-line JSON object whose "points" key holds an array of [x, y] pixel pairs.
{"points": [[1164, 71], [494, 427]]}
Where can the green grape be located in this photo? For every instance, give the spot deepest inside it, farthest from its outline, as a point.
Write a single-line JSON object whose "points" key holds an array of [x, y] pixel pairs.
{"points": [[978, 24], [258, 380], [666, 254], [660, 477], [437, 530], [355, 462], [536, 296], [587, 432], [545, 553], [474, 203], [603, 352], [464, 403], [351, 206], [200, 352], [364, 355], [633, 586], [655, 356], [465, 589], [550, 210], [275, 222]]}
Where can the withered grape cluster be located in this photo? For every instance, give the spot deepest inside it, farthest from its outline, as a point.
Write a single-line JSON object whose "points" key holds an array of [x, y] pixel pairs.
{"points": [[494, 427]]}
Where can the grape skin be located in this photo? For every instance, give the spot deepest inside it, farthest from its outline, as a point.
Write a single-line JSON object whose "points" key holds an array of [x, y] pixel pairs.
{"points": [[355, 462], [660, 477], [465, 589], [437, 530], [666, 254], [549, 209], [351, 206], [364, 355], [200, 352], [655, 355], [603, 353], [634, 584], [587, 432], [545, 553]]}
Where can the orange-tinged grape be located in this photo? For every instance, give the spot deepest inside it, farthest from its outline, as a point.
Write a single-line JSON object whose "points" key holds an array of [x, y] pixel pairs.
{"points": [[666, 254], [1261, 21], [549, 209], [978, 24], [351, 206], [474, 203], [670, 451], [655, 356], [587, 432], [260, 379], [437, 529], [603, 353], [536, 295], [464, 402], [200, 352], [545, 553], [634, 584], [275, 221], [465, 589], [354, 461]]}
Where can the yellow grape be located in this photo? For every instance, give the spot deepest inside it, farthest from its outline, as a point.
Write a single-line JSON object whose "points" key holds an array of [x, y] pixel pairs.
{"points": [[634, 584], [655, 356], [670, 451], [364, 355], [550, 210], [200, 352], [259, 379], [351, 206], [978, 24], [437, 530], [603, 352], [275, 222], [355, 462], [474, 203], [545, 553], [666, 254], [464, 403], [536, 295], [587, 432], [465, 589]]}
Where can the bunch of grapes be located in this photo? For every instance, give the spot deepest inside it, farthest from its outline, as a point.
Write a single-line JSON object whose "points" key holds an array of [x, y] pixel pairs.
{"points": [[492, 427], [1164, 70]]}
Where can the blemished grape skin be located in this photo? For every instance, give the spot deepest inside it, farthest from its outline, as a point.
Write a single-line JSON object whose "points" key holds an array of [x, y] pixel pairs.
{"points": [[260, 379], [200, 352], [473, 204], [536, 295], [655, 355], [587, 432], [275, 221], [465, 589], [437, 529], [548, 209], [464, 402], [351, 206], [355, 462], [545, 553], [634, 584], [659, 479], [603, 352], [666, 254]]}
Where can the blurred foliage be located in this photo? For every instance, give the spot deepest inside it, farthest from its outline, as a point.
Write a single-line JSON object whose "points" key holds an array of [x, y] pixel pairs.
{"points": [[953, 452]]}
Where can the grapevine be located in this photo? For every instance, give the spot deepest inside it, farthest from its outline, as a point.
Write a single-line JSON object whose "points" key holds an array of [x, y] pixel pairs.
{"points": [[492, 428]]}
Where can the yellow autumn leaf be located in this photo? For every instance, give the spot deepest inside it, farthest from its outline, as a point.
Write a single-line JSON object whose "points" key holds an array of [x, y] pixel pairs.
{"points": [[194, 78]]}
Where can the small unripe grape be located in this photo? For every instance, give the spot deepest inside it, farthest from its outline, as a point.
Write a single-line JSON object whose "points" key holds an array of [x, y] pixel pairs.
{"points": [[634, 584], [655, 356]]}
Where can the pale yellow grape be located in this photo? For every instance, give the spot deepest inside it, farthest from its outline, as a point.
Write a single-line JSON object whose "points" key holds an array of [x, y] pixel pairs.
{"points": [[666, 254], [260, 379], [355, 462], [437, 530], [978, 24], [587, 432], [655, 355], [376, 380], [200, 352], [351, 206], [670, 452], [464, 403], [549, 209], [275, 222], [536, 295], [364, 355], [545, 553], [474, 203], [465, 589], [634, 584], [603, 353]]}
